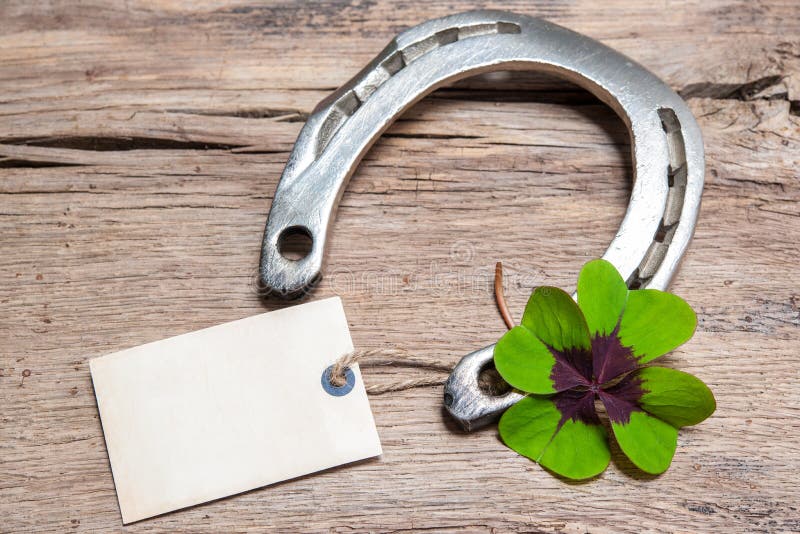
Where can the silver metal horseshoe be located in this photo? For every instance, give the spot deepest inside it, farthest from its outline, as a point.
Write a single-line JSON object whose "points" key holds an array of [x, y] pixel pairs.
{"points": [[665, 139]]}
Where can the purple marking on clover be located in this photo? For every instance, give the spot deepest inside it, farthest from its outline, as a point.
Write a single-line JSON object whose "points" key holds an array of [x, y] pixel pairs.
{"points": [[573, 368], [622, 398], [610, 358], [576, 405], [594, 373]]}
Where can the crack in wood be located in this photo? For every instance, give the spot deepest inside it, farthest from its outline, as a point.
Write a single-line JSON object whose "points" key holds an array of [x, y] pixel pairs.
{"points": [[390, 135], [118, 144], [555, 93], [16, 163], [744, 92], [281, 115]]}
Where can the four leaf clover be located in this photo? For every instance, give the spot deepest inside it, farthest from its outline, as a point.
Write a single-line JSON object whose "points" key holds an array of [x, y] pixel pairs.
{"points": [[566, 355]]}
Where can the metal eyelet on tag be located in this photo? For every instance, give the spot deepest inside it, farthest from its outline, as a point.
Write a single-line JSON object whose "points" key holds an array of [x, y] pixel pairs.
{"points": [[666, 144], [338, 391]]}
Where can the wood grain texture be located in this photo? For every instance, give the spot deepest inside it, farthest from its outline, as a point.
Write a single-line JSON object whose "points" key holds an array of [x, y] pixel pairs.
{"points": [[141, 142]]}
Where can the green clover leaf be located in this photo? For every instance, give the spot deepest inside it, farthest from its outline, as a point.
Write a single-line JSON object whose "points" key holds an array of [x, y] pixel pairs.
{"points": [[565, 355]]}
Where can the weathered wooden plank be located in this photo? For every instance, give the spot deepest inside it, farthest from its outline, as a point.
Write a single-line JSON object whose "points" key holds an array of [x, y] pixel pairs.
{"points": [[140, 145]]}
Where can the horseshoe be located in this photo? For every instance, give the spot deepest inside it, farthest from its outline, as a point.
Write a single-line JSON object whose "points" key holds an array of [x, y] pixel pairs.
{"points": [[666, 144]]}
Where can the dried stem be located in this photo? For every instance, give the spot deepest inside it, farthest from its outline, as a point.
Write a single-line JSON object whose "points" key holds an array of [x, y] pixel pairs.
{"points": [[498, 295]]}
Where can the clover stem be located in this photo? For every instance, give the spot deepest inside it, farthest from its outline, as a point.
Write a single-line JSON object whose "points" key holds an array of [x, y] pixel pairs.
{"points": [[498, 295]]}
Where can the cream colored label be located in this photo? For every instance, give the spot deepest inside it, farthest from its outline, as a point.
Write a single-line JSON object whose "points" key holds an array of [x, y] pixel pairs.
{"points": [[230, 408]]}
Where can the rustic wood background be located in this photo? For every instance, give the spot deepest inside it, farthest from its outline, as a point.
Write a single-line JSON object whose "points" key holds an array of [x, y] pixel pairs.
{"points": [[140, 145]]}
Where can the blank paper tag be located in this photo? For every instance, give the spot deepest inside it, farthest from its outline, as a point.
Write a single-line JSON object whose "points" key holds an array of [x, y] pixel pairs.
{"points": [[230, 408]]}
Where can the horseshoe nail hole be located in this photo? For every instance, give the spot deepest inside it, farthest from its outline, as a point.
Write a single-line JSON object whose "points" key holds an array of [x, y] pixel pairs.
{"points": [[661, 234], [295, 243], [634, 282], [448, 399], [491, 383]]}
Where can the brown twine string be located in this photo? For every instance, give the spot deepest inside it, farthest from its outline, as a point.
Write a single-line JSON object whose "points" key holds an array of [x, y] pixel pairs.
{"points": [[388, 358], [489, 380]]}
